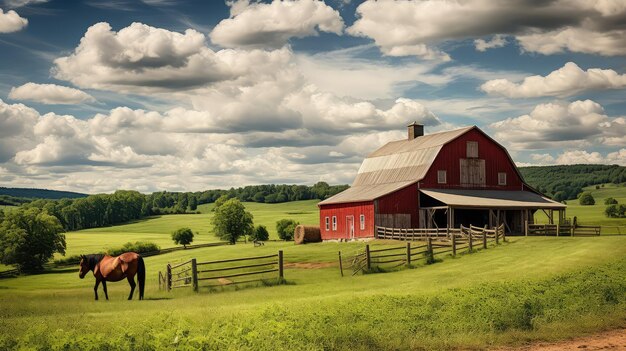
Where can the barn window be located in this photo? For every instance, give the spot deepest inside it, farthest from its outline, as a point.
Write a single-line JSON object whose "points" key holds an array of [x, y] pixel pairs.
{"points": [[472, 149], [441, 177], [327, 220], [501, 178], [334, 222], [362, 219]]}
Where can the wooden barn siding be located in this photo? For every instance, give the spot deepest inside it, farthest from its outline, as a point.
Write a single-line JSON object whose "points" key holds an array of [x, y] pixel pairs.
{"points": [[495, 158], [342, 211], [403, 201]]}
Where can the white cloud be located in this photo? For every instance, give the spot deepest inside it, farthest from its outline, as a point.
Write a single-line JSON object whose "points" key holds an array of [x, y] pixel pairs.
{"points": [[10, 22], [418, 28], [497, 41], [553, 125], [272, 25], [50, 94], [567, 80], [12, 4]]}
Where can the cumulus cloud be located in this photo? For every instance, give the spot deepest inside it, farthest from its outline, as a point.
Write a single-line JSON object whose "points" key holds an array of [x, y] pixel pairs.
{"points": [[271, 25], [418, 28], [554, 125], [10, 22], [567, 80], [497, 41], [50, 94], [571, 157]]}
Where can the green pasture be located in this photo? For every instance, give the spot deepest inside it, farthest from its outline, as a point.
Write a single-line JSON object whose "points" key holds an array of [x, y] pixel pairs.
{"points": [[594, 214], [534, 288], [159, 228]]}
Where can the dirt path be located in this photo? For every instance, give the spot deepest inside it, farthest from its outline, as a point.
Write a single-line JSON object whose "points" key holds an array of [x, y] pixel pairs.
{"points": [[612, 340]]}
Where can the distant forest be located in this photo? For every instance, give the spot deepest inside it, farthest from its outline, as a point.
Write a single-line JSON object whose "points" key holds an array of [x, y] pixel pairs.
{"points": [[122, 206], [566, 182], [28, 193]]}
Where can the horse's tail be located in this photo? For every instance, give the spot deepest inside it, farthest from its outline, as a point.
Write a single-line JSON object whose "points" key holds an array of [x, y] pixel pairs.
{"points": [[141, 276]]}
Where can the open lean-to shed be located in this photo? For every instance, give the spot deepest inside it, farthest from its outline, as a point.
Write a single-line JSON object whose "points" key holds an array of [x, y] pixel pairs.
{"points": [[439, 180]]}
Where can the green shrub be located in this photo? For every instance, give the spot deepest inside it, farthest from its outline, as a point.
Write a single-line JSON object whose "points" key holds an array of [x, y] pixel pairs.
{"points": [[138, 247], [183, 236], [586, 199], [615, 211], [260, 233], [610, 201], [285, 228]]}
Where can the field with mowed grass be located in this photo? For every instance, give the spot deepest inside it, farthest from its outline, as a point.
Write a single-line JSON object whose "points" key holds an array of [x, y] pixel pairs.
{"points": [[158, 229], [528, 289], [594, 214]]}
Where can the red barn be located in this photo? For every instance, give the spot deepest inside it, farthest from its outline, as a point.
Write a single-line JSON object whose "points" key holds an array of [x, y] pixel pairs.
{"points": [[439, 180]]}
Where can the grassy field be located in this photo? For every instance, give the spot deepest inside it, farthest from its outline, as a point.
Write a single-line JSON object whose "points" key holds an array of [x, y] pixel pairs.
{"points": [[158, 229], [527, 289], [594, 215]]}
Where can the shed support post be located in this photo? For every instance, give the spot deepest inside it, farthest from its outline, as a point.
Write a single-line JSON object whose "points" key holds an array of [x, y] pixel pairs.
{"points": [[367, 257], [168, 277], [280, 265], [526, 228], [194, 274]]}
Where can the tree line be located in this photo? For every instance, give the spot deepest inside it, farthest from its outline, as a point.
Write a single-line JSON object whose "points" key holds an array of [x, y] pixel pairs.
{"points": [[126, 205], [566, 182]]}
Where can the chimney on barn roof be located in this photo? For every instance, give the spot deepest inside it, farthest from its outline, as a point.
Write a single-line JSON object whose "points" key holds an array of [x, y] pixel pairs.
{"points": [[415, 130]]}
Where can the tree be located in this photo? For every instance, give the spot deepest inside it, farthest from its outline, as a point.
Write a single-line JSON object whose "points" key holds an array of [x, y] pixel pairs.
{"points": [[29, 238], [260, 233], [586, 199], [610, 201], [220, 201], [285, 228], [183, 236], [231, 221], [193, 202]]}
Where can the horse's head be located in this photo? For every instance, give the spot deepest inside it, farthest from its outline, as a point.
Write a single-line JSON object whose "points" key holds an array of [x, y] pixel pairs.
{"points": [[84, 266]]}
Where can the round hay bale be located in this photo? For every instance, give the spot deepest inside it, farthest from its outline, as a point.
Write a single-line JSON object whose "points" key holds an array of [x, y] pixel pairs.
{"points": [[307, 234]]}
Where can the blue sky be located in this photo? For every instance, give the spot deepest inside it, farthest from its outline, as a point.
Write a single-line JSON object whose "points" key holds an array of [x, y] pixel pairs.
{"points": [[192, 95]]}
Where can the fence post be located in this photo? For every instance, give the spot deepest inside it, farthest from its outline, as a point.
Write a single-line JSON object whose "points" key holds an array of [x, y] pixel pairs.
{"points": [[526, 228], [453, 245], [280, 264], [497, 231], [558, 229], [431, 254], [485, 237], [168, 278], [194, 274], [408, 253], [368, 260], [471, 244], [571, 231], [340, 264]]}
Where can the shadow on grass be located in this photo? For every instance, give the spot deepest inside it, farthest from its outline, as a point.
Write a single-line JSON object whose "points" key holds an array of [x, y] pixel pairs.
{"points": [[157, 298]]}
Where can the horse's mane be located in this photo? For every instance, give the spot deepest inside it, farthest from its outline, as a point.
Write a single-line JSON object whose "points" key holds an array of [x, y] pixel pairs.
{"points": [[93, 259]]}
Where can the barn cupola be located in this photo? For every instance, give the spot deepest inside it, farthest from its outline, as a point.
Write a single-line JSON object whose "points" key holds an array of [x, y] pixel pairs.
{"points": [[415, 130]]}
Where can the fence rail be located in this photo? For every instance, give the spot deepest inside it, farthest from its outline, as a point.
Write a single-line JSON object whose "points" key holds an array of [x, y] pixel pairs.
{"points": [[218, 273], [428, 247], [531, 229]]}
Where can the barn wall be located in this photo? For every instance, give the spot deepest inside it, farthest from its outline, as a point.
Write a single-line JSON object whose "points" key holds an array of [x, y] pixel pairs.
{"points": [[342, 211], [400, 203], [496, 160]]}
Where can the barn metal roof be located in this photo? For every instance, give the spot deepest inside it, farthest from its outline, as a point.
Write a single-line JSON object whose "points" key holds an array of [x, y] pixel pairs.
{"points": [[492, 198], [364, 193]]}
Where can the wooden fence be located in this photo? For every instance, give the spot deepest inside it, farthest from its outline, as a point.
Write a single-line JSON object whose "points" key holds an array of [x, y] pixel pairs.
{"points": [[560, 230], [465, 239], [415, 234], [189, 274]]}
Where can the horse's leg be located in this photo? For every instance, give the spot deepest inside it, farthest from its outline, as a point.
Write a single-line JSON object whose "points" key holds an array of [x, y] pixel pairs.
{"points": [[95, 288], [104, 286], [131, 281]]}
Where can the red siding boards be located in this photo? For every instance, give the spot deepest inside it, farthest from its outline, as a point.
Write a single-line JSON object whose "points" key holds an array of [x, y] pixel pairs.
{"points": [[342, 212], [402, 201], [496, 160]]}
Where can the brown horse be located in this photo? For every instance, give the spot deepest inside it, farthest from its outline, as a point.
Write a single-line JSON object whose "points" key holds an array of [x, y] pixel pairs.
{"points": [[113, 269]]}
